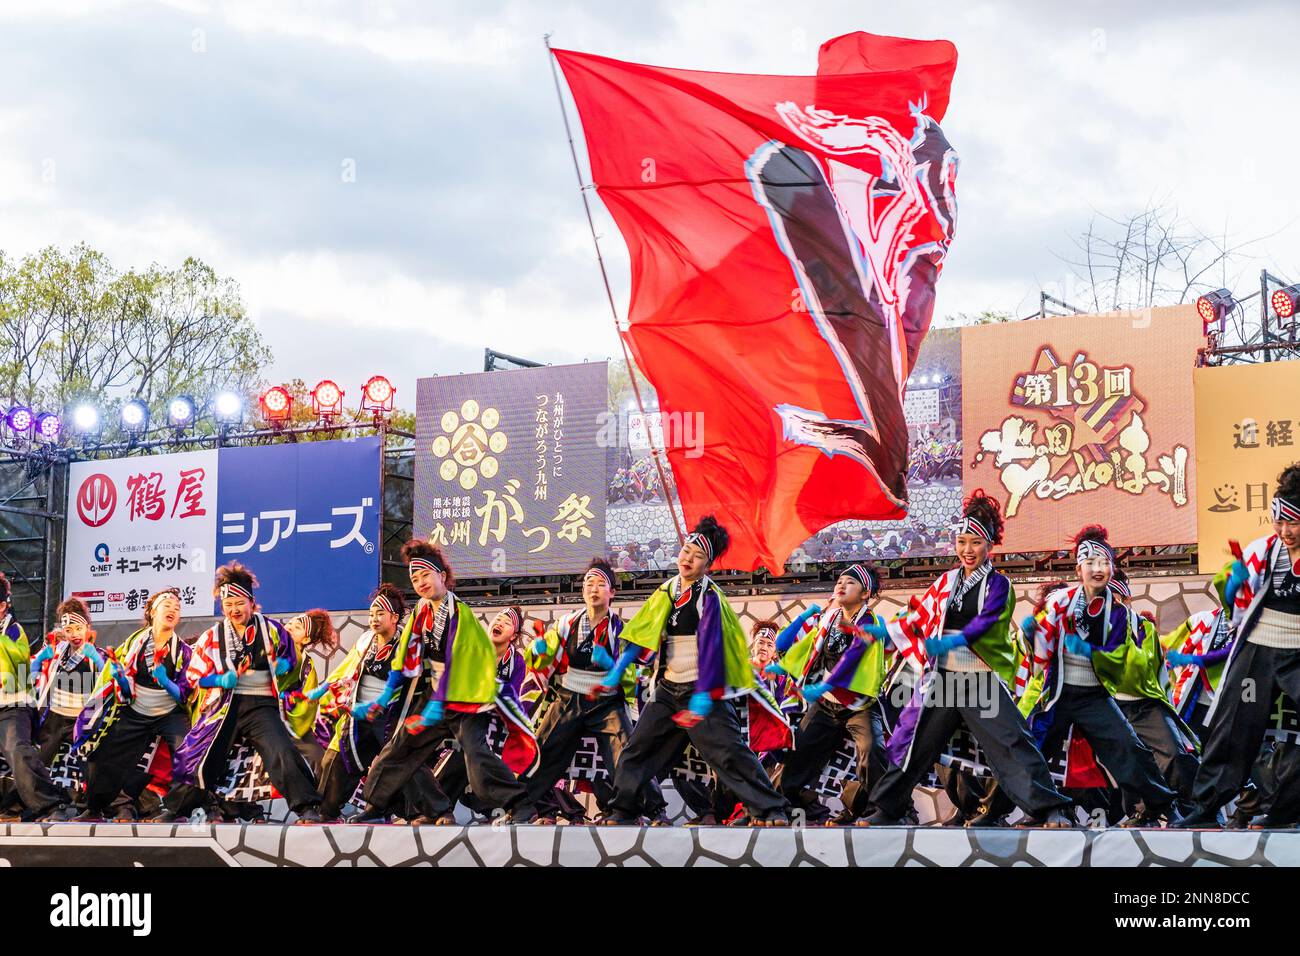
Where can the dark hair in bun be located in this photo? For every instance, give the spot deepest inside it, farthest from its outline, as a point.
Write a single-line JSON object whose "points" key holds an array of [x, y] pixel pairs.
{"points": [[1288, 482], [986, 511], [1092, 532], [715, 533]]}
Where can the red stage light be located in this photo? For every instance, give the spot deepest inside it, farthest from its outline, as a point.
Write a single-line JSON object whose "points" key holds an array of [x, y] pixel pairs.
{"points": [[1213, 307], [277, 405], [327, 399], [1286, 302], [377, 395]]}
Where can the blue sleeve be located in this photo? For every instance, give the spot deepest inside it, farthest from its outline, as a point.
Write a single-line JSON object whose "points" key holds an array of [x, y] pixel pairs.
{"points": [[790, 635]]}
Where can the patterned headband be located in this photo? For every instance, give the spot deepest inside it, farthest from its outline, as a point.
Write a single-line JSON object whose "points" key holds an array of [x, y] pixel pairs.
{"points": [[1120, 587], [425, 564], [384, 604], [1285, 510], [1093, 549], [235, 590], [516, 619], [602, 573], [765, 632], [701, 542], [73, 618], [862, 575], [157, 596], [974, 526]]}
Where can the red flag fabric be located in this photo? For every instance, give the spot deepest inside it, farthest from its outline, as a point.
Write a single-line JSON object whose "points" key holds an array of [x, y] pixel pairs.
{"points": [[785, 235]]}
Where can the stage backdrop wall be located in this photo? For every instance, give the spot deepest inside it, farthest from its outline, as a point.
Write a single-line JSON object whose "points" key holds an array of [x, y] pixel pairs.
{"points": [[304, 517], [1247, 418], [1085, 418]]}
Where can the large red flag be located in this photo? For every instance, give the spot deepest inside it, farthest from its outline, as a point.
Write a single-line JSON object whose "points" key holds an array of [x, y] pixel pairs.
{"points": [[785, 235]]}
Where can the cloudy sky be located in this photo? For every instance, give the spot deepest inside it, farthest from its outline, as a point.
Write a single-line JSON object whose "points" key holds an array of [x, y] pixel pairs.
{"points": [[154, 131]]}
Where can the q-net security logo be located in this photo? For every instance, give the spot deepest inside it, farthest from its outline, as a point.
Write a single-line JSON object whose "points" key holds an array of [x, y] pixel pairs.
{"points": [[102, 565], [96, 500]]}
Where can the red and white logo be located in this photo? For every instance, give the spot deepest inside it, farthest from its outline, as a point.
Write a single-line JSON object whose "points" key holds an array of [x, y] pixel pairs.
{"points": [[96, 500]]}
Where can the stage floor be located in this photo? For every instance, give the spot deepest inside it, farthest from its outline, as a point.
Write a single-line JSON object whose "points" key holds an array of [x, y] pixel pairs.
{"points": [[107, 844]]}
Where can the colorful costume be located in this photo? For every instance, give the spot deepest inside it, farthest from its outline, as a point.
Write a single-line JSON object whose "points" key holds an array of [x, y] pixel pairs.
{"points": [[958, 636], [449, 656], [702, 667], [31, 777], [850, 671], [64, 677], [1082, 647], [143, 693], [243, 679], [1263, 598]]}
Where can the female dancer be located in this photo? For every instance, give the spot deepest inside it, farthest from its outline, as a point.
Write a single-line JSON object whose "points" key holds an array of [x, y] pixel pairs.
{"points": [[958, 635]]}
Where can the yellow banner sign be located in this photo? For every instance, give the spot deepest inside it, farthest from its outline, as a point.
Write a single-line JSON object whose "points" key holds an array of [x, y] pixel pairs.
{"points": [[1247, 431]]}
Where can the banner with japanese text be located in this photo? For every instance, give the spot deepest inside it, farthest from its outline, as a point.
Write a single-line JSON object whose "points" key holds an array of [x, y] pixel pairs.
{"points": [[1247, 431], [510, 468], [1081, 419], [136, 525], [304, 517]]}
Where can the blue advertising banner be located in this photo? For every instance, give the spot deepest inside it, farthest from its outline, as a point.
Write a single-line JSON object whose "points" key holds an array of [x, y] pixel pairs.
{"points": [[306, 519]]}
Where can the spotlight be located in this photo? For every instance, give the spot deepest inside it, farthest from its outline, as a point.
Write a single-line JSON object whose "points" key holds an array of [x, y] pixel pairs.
{"points": [[85, 419], [277, 405], [327, 400], [48, 426], [20, 419], [229, 407], [1213, 307], [135, 417], [180, 412], [377, 395], [1286, 302]]}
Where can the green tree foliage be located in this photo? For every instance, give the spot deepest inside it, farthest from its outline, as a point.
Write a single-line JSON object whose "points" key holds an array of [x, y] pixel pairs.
{"points": [[73, 328]]}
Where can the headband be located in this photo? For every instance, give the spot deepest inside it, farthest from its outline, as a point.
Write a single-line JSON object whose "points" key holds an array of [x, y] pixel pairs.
{"points": [[381, 599], [1120, 587], [235, 590], [974, 526], [159, 595], [602, 572], [516, 618], [701, 542], [72, 617], [426, 564], [767, 630], [862, 575], [1093, 549], [1285, 510]]}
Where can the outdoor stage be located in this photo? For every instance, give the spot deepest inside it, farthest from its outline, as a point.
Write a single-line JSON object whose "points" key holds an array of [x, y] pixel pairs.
{"points": [[118, 845]]}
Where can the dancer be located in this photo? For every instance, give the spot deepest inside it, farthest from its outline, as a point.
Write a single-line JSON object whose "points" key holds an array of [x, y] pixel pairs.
{"points": [[362, 726], [1142, 700], [1263, 594], [449, 655], [65, 672], [39, 796], [958, 636], [840, 669], [573, 656], [311, 631], [242, 666], [143, 695], [702, 667], [1080, 648]]}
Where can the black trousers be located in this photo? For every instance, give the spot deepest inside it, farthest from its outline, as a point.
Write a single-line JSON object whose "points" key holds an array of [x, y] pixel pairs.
{"points": [[566, 721], [818, 737], [256, 719], [657, 741], [338, 782], [981, 702], [1155, 727], [30, 776], [55, 731], [1119, 750], [406, 753], [112, 765], [1244, 708]]}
